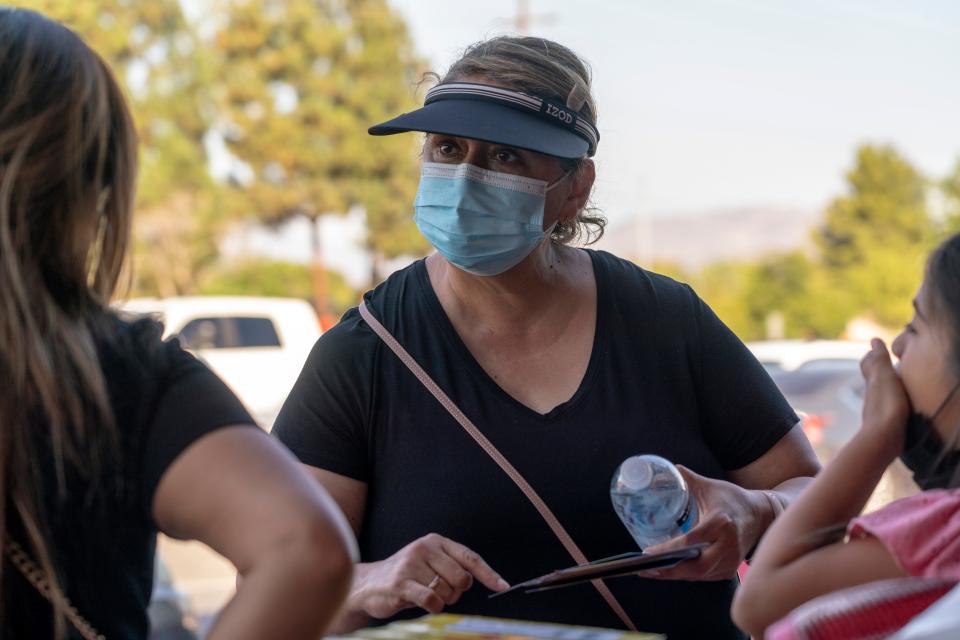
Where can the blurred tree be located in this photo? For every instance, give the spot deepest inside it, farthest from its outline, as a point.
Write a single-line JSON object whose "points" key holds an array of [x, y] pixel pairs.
{"points": [[950, 187], [723, 285], [778, 296], [776, 288], [155, 55], [874, 238], [264, 277], [793, 287], [306, 79]]}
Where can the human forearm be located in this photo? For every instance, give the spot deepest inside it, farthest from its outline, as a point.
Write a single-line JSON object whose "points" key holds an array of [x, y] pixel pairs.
{"points": [[837, 495], [773, 482], [784, 494], [787, 492], [293, 592], [790, 568], [352, 615]]}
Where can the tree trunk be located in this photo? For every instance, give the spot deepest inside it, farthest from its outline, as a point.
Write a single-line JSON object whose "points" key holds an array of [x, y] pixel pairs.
{"points": [[318, 274], [376, 267]]}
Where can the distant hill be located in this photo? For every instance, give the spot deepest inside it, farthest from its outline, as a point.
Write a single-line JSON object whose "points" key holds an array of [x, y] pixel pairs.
{"points": [[695, 240]]}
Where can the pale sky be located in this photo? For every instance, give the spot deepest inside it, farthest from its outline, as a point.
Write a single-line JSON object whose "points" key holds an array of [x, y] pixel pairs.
{"points": [[712, 104], [724, 103]]}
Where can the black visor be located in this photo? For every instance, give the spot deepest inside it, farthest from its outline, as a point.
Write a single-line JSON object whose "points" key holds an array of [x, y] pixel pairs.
{"points": [[499, 115]]}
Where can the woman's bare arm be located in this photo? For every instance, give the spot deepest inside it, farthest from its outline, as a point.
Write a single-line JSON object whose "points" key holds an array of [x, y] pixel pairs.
{"points": [[240, 492]]}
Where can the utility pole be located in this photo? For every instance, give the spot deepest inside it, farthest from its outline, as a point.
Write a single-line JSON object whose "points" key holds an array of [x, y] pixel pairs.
{"points": [[524, 19]]}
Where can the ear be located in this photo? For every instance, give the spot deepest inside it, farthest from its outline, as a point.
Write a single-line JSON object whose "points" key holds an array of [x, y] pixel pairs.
{"points": [[580, 190]]}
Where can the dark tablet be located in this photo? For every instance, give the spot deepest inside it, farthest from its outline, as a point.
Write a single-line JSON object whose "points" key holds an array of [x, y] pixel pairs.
{"points": [[613, 567]]}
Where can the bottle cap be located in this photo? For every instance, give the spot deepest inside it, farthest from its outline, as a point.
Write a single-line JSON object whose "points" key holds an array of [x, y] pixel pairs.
{"points": [[636, 473]]}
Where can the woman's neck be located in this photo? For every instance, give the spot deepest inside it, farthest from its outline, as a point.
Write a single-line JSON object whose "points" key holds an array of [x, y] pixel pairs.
{"points": [[546, 278]]}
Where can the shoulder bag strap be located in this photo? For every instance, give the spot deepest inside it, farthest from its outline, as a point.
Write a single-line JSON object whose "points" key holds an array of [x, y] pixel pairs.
{"points": [[37, 577], [498, 457]]}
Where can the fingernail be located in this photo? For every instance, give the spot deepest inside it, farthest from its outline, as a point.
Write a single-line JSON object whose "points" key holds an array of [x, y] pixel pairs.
{"points": [[503, 584], [653, 573]]}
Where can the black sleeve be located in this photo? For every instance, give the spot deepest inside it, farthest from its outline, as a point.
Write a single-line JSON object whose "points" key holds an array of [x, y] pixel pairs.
{"points": [[743, 412], [325, 419], [191, 402]]}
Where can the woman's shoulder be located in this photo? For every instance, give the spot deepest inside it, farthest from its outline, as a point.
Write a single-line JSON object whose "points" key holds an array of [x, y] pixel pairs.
{"points": [[399, 291], [394, 302], [138, 364], [621, 268], [128, 343], [642, 285]]}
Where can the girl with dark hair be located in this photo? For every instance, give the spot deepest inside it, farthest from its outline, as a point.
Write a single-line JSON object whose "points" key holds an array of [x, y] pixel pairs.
{"points": [[107, 434], [911, 410]]}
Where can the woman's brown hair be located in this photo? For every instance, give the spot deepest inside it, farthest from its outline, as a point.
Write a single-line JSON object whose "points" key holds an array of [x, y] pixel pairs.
{"points": [[67, 175]]}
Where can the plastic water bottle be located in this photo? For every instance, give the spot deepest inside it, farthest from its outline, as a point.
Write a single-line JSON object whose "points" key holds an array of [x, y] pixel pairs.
{"points": [[652, 500]]}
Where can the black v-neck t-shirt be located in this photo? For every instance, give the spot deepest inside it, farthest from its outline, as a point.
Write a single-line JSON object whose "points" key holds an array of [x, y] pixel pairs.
{"points": [[665, 376]]}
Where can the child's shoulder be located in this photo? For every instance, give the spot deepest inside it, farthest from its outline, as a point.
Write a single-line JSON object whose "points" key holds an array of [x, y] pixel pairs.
{"points": [[922, 532]]}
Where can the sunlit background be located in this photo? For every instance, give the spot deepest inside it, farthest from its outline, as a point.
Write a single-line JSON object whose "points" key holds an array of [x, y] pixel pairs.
{"points": [[794, 161]]}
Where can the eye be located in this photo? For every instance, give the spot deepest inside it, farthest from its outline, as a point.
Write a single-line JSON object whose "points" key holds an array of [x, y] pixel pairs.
{"points": [[441, 149], [506, 156], [445, 147], [909, 328]]}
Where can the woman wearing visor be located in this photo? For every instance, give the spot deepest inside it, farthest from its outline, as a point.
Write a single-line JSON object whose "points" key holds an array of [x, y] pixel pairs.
{"points": [[553, 364]]}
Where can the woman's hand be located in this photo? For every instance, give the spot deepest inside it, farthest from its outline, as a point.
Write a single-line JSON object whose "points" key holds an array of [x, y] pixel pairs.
{"points": [[885, 404], [732, 519], [430, 572]]}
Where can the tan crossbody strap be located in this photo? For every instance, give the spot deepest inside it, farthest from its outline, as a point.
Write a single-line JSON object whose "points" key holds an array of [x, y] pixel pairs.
{"points": [[37, 577], [492, 451]]}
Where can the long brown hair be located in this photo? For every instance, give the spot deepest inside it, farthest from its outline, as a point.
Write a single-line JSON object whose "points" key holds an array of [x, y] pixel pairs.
{"points": [[943, 284], [67, 175]]}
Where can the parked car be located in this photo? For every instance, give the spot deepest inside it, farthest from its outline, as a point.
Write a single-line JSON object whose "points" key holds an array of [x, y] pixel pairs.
{"points": [[256, 345], [821, 379]]}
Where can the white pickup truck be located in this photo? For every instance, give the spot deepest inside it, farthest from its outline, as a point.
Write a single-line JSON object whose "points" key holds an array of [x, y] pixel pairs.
{"points": [[256, 345]]}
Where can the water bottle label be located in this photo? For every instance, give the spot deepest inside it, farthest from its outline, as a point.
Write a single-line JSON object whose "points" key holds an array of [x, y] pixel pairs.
{"points": [[685, 522]]}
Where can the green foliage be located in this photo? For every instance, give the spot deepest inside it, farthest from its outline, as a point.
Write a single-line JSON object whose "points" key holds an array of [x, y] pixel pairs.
{"points": [[293, 85], [870, 262], [723, 286], [263, 277], [155, 55], [874, 238], [306, 79], [950, 188]]}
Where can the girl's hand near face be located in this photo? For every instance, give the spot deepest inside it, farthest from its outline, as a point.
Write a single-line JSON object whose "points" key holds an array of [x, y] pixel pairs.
{"points": [[886, 406]]}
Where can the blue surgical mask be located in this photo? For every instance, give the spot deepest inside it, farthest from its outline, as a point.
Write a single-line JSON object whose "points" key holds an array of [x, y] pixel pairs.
{"points": [[483, 222]]}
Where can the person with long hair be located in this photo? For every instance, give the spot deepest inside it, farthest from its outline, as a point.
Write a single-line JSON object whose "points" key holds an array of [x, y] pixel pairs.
{"points": [[107, 434], [818, 547]]}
